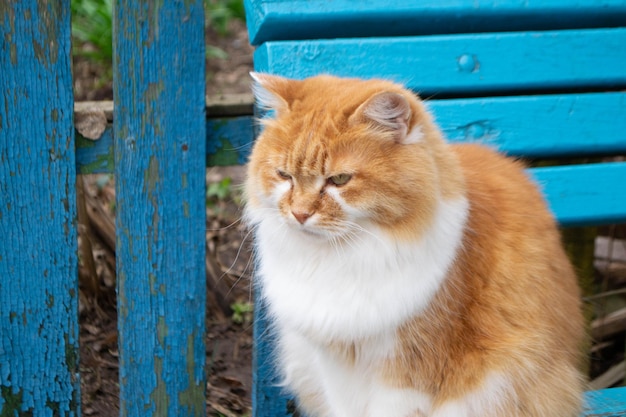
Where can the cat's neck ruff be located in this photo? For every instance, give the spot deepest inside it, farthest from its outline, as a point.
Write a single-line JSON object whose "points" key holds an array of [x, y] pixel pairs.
{"points": [[359, 288]]}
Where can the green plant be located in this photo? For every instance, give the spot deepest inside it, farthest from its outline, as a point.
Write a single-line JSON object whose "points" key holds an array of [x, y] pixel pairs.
{"points": [[215, 52], [220, 12], [92, 29], [218, 191], [242, 312], [219, 196]]}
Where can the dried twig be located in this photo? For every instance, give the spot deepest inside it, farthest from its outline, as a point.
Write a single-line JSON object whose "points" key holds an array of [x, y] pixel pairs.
{"points": [[102, 224], [90, 278], [615, 374], [609, 325]]}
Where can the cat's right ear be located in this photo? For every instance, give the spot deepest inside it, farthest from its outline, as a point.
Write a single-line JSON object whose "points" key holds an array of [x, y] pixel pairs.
{"points": [[392, 112], [270, 91]]}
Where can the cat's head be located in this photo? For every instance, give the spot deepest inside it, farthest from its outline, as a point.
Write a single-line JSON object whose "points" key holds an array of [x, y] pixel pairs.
{"points": [[342, 155]]}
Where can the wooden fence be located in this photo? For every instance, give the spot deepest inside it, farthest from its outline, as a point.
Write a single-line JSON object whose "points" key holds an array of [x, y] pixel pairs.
{"points": [[160, 152]]}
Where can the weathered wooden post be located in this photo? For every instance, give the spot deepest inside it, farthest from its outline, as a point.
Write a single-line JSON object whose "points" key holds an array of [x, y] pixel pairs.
{"points": [[38, 244], [159, 130]]}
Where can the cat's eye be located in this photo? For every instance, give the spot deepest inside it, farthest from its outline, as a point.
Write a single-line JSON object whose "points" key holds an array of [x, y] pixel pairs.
{"points": [[283, 174], [340, 179]]}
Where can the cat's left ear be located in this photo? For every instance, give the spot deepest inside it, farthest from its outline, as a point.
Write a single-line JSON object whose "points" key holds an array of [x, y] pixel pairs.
{"points": [[271, 92], [390, 111]]}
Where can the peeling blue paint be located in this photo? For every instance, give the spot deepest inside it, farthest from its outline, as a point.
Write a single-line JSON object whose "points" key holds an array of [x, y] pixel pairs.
{"points": [[158, 118], [39, 314]]}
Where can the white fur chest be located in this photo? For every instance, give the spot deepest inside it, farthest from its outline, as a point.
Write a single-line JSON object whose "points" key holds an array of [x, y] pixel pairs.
{"points": [[360, 288], [320, 293]]}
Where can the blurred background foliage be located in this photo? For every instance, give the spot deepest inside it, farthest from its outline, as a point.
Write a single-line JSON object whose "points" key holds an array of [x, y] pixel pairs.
{"points": [[92, 29]]}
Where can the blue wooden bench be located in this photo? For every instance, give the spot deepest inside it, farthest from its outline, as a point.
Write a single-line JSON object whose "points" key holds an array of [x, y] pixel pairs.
{"points": [[536, 79]]}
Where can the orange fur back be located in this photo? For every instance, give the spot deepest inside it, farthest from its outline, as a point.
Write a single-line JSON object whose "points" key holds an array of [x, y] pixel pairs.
{"points": [[406, 276], [511, 302]]}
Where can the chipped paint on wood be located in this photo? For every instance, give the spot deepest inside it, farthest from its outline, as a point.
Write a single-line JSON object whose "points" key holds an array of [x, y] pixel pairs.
{"points": [[228, 142], [194, 394], [159, 145], [38, 262]]}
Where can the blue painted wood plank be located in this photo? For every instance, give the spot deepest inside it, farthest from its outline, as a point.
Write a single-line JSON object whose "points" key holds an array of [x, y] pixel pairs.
{"points": [[95, 156], [462, 64], [228, 142], [159, 131], [268, 398], [544, 126], [38, 244], [315, 19], [585, 194], [606, 403]]}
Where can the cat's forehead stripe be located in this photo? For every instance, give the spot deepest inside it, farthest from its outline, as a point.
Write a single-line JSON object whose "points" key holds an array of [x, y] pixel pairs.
{"points": [[307, 157], [318, 157]]}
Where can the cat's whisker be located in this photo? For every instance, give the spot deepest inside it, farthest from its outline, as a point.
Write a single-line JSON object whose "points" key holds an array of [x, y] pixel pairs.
{"points": [[238, 148], [242, 274], [350, 238], [232, 266], [336, 243], [355, 226], [267, 209], [238, 280], [220, 229]]}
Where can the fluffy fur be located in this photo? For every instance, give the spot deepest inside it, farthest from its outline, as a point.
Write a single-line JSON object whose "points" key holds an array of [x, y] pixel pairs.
{"points": [[406, 277]]}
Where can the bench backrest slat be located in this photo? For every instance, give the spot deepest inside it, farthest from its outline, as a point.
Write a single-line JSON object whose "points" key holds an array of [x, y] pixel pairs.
{"points": [[587, 194], [538, 126], [315, 19], [465, 64]]}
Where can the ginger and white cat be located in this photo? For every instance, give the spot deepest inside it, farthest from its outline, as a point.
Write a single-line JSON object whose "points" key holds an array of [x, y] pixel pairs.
{"points": [[406, 277]]}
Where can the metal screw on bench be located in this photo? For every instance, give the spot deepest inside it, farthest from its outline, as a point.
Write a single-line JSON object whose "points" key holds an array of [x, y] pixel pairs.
{"points": [[475, 131], [468, 63]]}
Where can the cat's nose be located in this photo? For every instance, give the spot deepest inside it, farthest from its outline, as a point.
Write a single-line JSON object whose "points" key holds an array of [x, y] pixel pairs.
{"points": [[301, 216]]}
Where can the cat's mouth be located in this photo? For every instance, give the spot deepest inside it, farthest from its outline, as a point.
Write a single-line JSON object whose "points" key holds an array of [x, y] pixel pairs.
{"points": [[314, 226], [311, 230]]}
